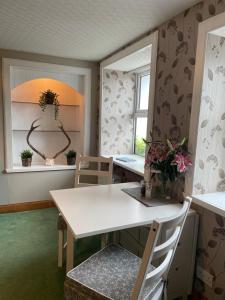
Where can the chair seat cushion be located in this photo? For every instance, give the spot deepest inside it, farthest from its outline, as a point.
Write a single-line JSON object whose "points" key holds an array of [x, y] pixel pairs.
{"points": [[61, 224], [110, 272]]}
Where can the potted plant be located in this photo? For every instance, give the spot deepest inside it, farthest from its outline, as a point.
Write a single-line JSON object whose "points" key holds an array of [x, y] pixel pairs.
{"points": [[26, 157], [71, 157], [49, 98]]}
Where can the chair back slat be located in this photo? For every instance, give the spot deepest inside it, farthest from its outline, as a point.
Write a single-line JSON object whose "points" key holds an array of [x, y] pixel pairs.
{"points": [[82, 164], [172, 222], [162, 249], [160, 270], [156, 248]]}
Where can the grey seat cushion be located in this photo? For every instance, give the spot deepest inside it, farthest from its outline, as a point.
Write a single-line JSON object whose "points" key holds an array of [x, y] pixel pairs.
{"points": [[112, 273], [61, 224]]}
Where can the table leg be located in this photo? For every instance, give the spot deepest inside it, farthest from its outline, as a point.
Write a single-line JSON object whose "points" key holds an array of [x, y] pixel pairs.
{"points": [[69, 250]]}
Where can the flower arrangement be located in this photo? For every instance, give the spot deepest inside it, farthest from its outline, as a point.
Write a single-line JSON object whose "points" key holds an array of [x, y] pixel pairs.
{"points": [[170, 159]]}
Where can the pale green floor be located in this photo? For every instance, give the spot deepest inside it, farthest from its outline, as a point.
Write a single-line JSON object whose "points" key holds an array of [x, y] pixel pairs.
{"points": [[28, 256]]}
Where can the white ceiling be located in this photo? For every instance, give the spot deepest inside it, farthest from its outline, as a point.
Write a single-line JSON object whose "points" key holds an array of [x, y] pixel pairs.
{"points": [[82, 29], [133, 61]]}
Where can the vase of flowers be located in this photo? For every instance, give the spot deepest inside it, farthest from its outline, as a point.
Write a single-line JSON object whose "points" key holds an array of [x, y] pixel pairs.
{"points": [[170, 160]]}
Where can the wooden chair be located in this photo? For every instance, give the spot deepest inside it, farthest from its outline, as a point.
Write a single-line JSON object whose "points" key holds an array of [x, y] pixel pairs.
{"points": [[115, 273], [82, 169]]}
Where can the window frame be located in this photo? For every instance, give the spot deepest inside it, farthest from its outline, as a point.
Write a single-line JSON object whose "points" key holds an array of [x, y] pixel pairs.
{"points": [[140, 113]]}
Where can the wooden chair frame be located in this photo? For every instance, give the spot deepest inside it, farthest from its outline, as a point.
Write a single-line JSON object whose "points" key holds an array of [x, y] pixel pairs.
{"points": [[154, 251], [81, 163]]}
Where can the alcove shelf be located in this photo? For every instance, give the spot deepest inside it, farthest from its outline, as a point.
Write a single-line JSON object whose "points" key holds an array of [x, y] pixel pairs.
{"points": [[39, 168], [23, 83]]}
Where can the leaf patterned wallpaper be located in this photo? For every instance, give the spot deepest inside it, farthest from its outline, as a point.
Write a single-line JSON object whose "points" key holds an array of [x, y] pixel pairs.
{"points": [[211, 254], [210, 155], [173, 98], [117, 112]]}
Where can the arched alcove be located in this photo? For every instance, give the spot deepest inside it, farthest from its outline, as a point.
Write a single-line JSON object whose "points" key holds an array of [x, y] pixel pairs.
{"points": [[23, 84], [29, 91]]}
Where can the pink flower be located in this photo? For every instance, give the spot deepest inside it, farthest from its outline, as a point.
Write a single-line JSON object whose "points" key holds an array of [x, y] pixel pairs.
{"points": [[182, 161]]}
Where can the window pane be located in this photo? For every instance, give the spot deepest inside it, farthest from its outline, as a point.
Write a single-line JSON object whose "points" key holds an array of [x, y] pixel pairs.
{"points": [[144, 91], [141, 128]]}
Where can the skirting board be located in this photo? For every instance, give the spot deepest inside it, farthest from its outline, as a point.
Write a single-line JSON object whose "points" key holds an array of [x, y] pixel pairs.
{"points": [[8, 208]]}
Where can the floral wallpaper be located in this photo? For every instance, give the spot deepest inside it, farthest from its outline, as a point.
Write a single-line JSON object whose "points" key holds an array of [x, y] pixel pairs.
{"points": [[210, 254], [175, 69], [210, 154], [173, 99], [117, 112]]}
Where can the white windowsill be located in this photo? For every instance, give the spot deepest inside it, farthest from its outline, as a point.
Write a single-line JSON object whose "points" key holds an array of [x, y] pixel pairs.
{"points": [[39, 168], [136, 166], [214, 202]]}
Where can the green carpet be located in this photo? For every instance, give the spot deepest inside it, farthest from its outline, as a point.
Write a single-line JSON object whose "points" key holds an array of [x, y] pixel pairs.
{"points": [[28, 256]]}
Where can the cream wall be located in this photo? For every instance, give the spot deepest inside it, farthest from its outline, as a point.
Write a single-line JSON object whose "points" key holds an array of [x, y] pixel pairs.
{"points": [[24, 187]]}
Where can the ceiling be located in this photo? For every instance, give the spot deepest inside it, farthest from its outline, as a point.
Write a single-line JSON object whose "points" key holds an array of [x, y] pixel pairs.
{"points": [[82, 29], [133, 61]]}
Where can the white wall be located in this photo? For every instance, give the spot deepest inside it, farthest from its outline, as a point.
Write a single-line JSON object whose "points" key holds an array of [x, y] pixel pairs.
{"points": [[24, 187]]}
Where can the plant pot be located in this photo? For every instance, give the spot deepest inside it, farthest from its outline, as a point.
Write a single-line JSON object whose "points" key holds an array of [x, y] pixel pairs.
{"points": [[49, 100], [26, 162], [71, 160]]}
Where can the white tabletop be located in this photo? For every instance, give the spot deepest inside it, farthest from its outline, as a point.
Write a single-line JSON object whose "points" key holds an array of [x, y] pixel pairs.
{"points": [[136, 166], [100, 209]]}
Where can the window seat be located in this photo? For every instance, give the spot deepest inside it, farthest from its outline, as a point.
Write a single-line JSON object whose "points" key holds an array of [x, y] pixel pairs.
{"points": [[136, 166], [214, 202]]}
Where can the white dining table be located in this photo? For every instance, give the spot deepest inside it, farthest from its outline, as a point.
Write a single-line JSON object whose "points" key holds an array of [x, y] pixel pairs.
{"points": [[101, 209]]}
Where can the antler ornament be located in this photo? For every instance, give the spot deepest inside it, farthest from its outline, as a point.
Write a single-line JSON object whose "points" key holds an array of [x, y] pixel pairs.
{"points": [[48, 161]]}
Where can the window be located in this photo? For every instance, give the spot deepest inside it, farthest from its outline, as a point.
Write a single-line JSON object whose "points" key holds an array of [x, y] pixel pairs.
{"points": [[141, 112]]}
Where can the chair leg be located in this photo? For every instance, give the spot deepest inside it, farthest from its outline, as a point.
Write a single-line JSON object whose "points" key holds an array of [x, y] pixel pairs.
{"points": [[115, 237], [60, 247], [104, 240]]}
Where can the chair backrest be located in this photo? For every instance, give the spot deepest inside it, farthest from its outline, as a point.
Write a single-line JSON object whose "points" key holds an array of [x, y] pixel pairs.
{"points": [[82, 169], [163, 253]]}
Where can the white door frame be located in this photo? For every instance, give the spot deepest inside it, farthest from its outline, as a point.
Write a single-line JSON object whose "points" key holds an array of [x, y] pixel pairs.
{"points": [[203, 29], [152, 40], [8, 64]]}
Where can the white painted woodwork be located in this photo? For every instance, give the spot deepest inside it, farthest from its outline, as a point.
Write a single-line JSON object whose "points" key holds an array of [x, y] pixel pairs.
{"points": [[107, 178], [181, 274], [136, 166], [214, 202], [76, 118], [39, 168], [152, 41], [209, 25], [164, 250]]}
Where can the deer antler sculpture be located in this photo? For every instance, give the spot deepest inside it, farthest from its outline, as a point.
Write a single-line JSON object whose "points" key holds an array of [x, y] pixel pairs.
{"points": [[33, 127]]}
